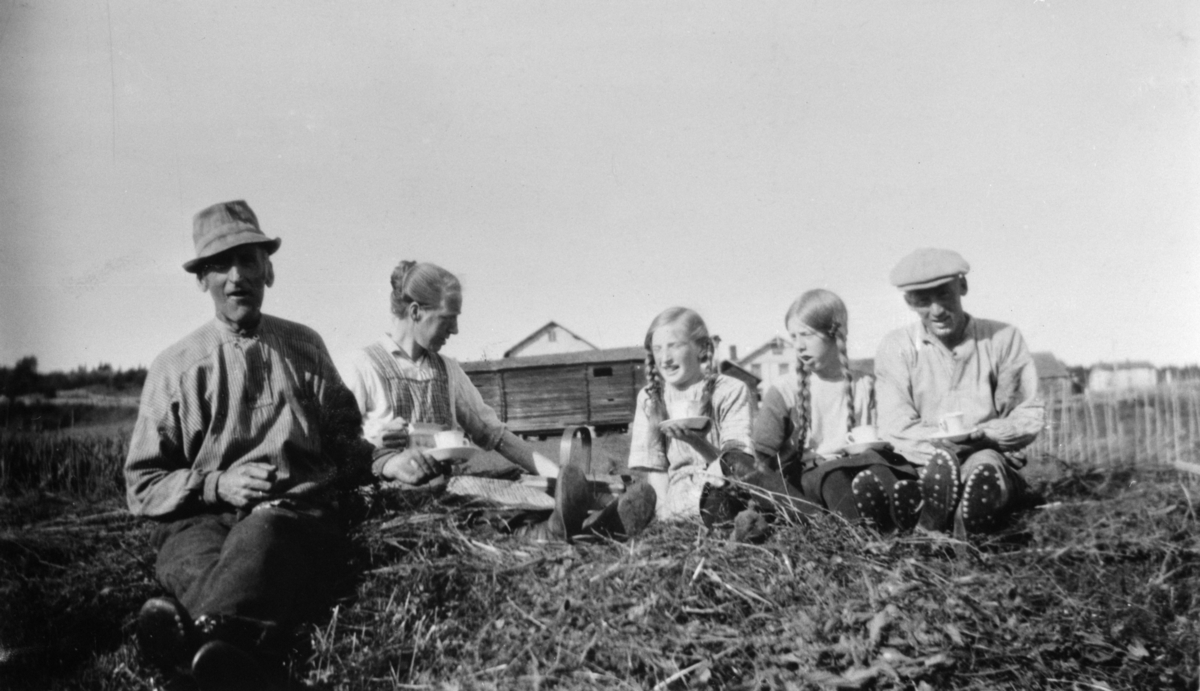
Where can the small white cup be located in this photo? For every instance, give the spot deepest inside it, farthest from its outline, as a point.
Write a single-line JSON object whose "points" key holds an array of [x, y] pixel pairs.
{"points": [[863, 434], [449, 439], [682, 409], [421, 435], [952, 423]]}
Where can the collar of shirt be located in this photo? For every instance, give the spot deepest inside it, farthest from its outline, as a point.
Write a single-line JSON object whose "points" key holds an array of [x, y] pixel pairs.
{"points": [[961, 348], [394, 348], [241, 334]]}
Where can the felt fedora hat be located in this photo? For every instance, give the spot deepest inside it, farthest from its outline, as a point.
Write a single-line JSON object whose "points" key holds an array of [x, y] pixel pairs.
{"points": [[225, 225], [928, 267]]}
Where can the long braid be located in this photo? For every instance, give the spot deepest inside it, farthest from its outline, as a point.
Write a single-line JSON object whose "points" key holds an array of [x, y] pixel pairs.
{"points": [[839, 336], [803, 410], [655, 406], [709, 356]]}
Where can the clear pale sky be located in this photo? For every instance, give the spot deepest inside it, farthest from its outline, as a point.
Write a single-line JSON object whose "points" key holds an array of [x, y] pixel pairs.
{"points": [[596, 162]]}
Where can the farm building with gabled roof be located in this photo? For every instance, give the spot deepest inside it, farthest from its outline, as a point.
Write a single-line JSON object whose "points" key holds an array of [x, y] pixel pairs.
{"points": [[550, 338], [543, 394], [1053, 375]]}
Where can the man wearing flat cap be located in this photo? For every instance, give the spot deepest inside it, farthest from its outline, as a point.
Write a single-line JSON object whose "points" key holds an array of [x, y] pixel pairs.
{"points": [[244, 435], [958, 395]]}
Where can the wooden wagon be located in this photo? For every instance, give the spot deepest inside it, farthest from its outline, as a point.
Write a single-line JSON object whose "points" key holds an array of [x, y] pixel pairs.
{"points": [[545, 394]]}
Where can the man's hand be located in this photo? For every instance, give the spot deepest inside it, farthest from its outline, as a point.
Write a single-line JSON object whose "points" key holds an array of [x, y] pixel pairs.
{"points": [[246, 484], [413, 466], [1005, 436]]}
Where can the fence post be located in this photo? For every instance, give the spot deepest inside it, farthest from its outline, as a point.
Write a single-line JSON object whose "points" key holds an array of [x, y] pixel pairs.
{"points": [[1175, 424]]}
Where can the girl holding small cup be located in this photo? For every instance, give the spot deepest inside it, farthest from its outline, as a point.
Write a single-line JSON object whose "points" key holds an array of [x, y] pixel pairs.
{"points": [[669, 447], [805, 426]]}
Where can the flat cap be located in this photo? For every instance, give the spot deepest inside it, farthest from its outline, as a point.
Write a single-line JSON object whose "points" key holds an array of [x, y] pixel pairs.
{"points": [[928, 267]]}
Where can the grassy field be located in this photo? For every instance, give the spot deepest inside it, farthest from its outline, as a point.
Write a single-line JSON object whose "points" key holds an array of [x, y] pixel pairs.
{"points": [[1097, 589]]}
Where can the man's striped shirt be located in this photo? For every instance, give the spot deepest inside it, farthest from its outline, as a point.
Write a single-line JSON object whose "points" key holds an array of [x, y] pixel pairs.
{"points": [[217, 399]]}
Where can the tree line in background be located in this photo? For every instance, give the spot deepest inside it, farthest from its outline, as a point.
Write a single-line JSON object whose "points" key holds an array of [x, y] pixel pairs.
{"points": [[24, 378]]}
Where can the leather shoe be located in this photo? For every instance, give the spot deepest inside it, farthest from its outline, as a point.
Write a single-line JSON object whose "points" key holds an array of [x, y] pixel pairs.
{"points": [[165, 634], [221, 666]]}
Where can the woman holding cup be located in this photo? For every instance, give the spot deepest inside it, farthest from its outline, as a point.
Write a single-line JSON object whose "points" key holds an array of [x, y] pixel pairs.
{"points": [[407, 392], [819, 432]]}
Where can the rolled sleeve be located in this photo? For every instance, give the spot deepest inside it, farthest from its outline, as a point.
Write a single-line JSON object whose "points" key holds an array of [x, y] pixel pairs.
{"points": [[477, 418]]}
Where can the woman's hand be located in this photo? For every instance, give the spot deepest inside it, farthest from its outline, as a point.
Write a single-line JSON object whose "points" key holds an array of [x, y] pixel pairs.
{"points": [[414, 466], [684, 432]]}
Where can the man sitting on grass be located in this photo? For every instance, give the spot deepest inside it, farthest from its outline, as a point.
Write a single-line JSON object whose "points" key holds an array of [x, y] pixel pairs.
{"points": [[245, 432], [954, 389]]}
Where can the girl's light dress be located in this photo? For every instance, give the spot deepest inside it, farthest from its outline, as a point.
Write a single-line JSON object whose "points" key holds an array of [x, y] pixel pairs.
{"points": [[687, 471]]}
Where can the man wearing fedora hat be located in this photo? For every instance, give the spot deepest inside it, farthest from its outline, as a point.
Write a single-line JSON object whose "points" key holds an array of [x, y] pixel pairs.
{"points": [[244, 435], [977, 372]]}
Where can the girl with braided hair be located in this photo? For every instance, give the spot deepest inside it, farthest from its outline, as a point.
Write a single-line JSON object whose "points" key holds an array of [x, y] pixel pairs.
{"points": [[674, 457], [802, 429]]}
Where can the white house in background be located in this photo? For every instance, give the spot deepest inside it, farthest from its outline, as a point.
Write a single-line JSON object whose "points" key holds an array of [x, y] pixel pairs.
{"points": [[771, 362], [551, 338], [1120, 376], [775, 361]]}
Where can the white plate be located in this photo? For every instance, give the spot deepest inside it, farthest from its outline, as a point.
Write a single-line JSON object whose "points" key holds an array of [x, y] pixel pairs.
{"points": [[697, 423], [953, 436], [454, 453], [866, 446]]}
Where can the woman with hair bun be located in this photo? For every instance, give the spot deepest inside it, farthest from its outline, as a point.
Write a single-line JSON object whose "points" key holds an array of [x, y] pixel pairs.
{"points": [[401, 378], [802, 429]]}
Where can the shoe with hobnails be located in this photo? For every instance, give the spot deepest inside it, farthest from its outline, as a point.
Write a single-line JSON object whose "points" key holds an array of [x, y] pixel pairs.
{"points": [[906, 505], [871, 500], [939, 491], [983, 493], [165, 634]]}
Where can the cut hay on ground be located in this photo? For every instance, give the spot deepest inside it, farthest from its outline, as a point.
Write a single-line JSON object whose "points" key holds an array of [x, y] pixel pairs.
{"points": [[1097, 590]]}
